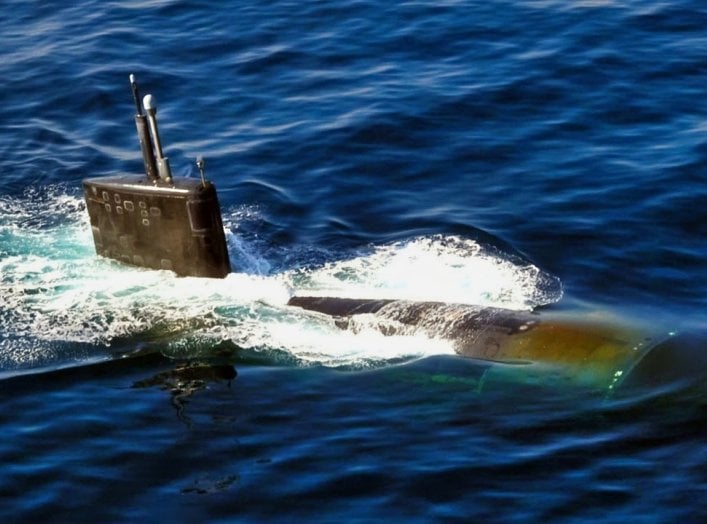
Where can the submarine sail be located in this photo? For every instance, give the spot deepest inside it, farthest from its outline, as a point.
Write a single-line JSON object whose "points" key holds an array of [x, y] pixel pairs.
{"points": [[155, 220]]}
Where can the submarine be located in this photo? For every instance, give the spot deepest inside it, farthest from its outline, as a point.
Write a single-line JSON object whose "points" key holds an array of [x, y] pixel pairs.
{"points": [[156, 220]]}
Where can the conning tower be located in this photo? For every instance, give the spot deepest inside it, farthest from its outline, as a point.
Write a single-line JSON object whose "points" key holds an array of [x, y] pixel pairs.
{"points": [[156, 220]]}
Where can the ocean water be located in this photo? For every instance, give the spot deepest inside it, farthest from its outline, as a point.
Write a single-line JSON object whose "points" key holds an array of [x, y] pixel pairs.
{"points": [[527, 155]]}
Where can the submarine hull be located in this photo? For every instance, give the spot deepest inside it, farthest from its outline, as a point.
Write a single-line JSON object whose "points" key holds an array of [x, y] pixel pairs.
{"points": [[156, 224], [595, 351]]}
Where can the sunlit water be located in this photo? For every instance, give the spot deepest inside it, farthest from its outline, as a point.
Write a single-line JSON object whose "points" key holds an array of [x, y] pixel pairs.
{"points": [[524, 155]]}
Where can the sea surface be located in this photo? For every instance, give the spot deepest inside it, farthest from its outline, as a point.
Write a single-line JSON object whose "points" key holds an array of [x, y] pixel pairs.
{"points": [[544, 156]]}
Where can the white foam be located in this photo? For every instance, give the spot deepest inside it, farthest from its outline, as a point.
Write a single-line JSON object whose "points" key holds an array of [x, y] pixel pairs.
{"points": [[56, 290], [437, 268]]}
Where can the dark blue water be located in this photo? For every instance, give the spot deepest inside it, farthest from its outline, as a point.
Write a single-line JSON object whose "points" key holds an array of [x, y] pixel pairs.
{"points": [[517, 154]]}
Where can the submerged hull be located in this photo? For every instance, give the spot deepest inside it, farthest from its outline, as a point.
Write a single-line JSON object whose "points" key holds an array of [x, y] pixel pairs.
{"points": [[597, 352]]}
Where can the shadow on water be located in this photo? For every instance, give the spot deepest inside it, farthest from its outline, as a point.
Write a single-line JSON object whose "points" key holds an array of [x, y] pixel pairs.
{"points": [[185, 379]]}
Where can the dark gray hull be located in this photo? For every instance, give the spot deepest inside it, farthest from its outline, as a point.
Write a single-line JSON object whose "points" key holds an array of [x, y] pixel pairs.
{"points": [[607, 353]]}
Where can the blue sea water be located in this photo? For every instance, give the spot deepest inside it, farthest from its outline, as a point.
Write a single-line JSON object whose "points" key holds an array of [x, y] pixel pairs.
{"points": [[520, 154]]}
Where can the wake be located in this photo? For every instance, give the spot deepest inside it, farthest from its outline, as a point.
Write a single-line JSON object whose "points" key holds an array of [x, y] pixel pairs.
{"points": [[62, 303]]}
